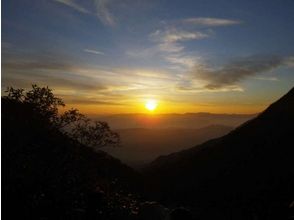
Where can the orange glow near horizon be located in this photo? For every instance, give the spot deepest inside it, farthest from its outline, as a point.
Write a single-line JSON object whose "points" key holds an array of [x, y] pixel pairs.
{"points": [[165, 108], [158, 104]]}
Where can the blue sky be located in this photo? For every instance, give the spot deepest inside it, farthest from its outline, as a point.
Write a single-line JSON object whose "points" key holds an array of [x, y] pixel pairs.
{"points": [[107, 56]]}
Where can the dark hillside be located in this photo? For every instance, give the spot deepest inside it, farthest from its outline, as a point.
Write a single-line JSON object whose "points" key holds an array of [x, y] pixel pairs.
{"points": [[46, 175], [247, 174]]}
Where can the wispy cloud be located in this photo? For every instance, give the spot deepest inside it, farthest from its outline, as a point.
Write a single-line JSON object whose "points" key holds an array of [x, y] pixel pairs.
{"points": [[174, 35], [267, 78], [186, 61], [49, 69], [60, 82], [96, 84], [289, 61], [91, 101], [200, 89], [103, 12], [170, 39], [73, 5], [210, 22], [30, 64], [169, 43], [94, 52], [234, 72]]}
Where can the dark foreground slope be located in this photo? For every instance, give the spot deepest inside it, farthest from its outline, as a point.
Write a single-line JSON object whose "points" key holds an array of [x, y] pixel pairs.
{"points": [[247, 174], [45, 175]]}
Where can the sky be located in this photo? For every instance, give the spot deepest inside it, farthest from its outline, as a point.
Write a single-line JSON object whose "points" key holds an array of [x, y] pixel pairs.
{"points": [[111, 56]]}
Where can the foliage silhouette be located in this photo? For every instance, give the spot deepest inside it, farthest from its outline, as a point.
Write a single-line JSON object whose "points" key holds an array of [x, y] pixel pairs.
{"points": [[95, 134]]}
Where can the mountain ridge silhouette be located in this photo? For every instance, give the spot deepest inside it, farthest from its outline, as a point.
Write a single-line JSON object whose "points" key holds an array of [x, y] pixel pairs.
{"points": [[251, 164]]}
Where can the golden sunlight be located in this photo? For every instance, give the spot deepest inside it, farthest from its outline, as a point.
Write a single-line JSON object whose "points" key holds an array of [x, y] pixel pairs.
{"points": [[151, 105]]}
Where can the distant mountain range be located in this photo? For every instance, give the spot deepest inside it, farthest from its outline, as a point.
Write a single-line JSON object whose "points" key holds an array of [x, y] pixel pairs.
{"points": [[246, 174], [163, 121], [147, 136], [142, 145]]}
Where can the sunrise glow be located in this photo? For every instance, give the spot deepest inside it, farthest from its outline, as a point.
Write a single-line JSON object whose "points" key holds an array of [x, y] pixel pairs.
{"points": [[199, 58], [151, 105]]}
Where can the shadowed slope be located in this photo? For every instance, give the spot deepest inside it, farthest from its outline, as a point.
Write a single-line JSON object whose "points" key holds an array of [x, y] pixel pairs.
{"points": [[46, 175], [251, 165]]}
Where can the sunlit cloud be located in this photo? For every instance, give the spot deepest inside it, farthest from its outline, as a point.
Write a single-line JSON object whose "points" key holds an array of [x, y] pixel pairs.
{"points": [[97, 52], [93, 84], [87, 101], [174, 35], [169, 44], [170, 47], [210, 22], [267, 78], [203, 89], [170, 39], [185, 61]]}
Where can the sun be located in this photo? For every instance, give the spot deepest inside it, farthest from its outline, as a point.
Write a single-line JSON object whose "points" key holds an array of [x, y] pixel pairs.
{"points": [[151, 105]]}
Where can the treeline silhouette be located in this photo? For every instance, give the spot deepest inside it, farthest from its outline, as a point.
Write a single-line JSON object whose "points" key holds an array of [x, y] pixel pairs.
{"points": [[52, 167]]}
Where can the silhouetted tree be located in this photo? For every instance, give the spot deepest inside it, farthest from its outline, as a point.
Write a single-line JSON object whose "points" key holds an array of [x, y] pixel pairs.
{"points": [[94, 134], [71, 122], [41, 99]]}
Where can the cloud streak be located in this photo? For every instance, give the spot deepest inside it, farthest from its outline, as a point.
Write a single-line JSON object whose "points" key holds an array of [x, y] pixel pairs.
{"points": [[174, 35], [73, 5], [87, 101], [232, 73], [94, 52], [103, 12], [48, 69], [210, 22]]}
